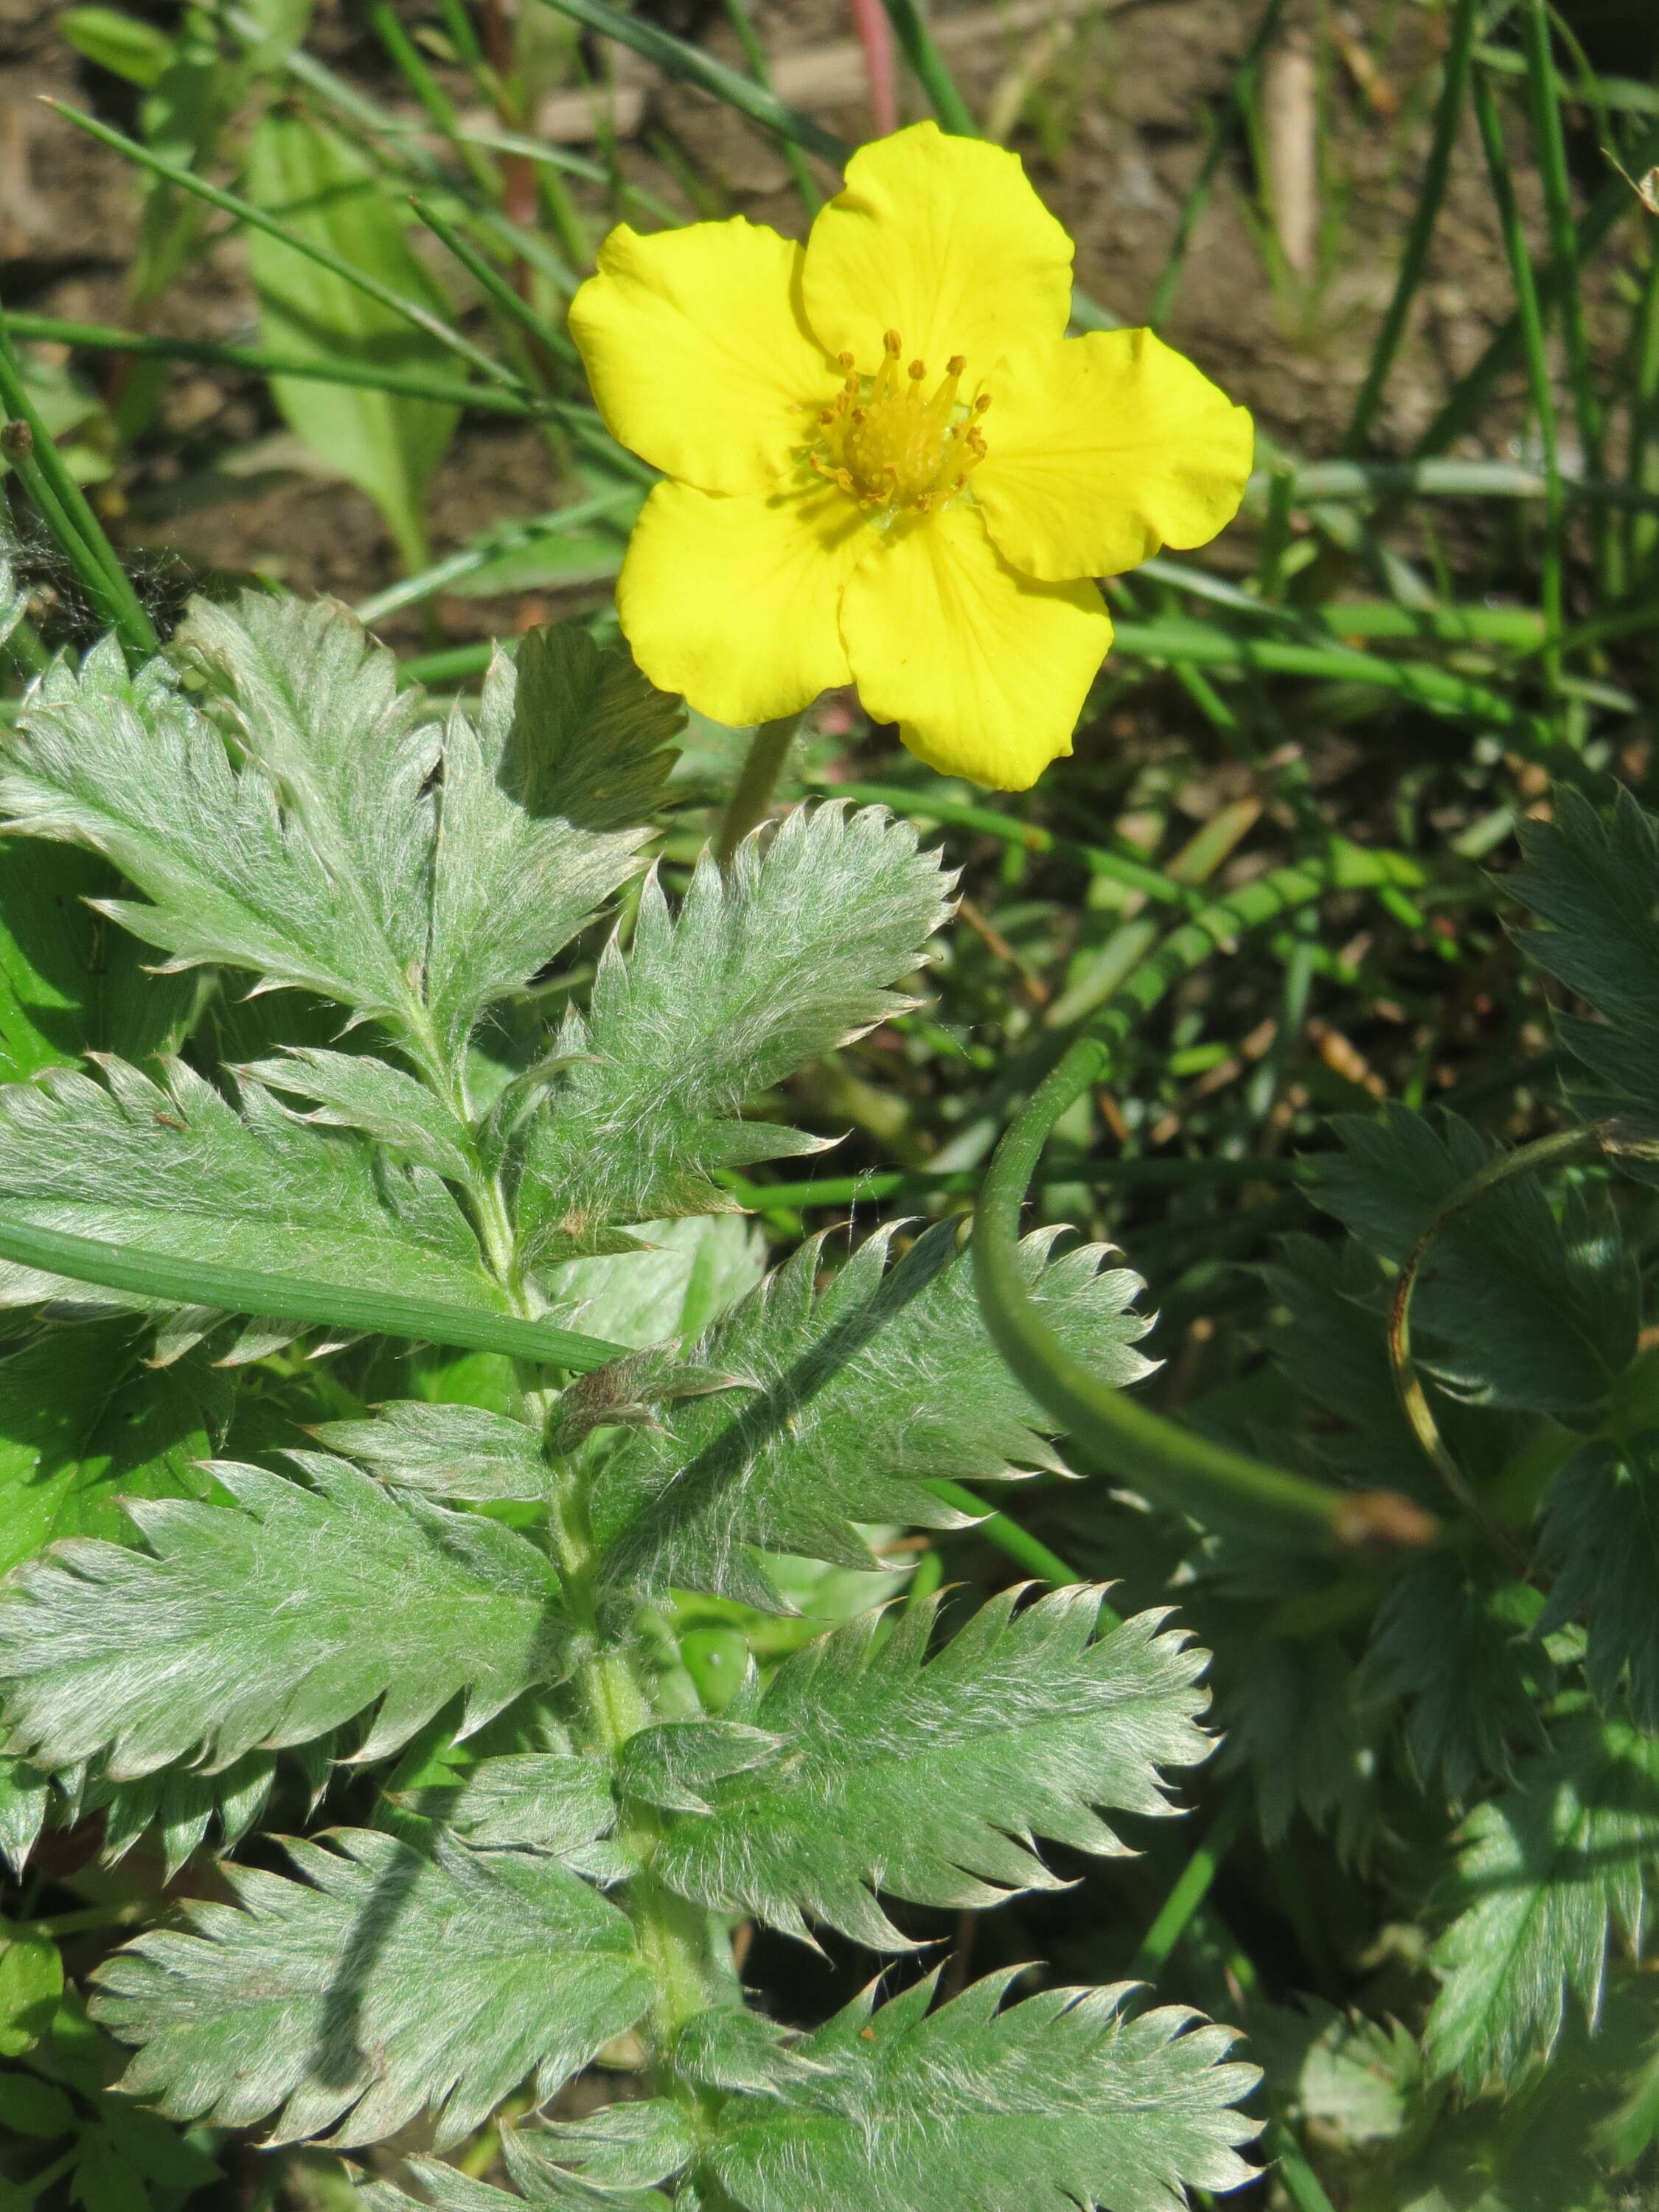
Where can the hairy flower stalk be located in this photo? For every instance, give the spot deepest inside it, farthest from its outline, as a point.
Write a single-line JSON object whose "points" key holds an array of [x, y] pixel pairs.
{"points": [[887, 464]]}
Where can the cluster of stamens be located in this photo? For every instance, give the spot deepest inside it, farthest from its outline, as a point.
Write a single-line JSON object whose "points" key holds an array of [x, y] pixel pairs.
{"points": [[887, 446]]}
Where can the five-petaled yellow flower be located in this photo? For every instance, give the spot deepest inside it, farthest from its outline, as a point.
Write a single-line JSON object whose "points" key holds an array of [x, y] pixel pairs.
{"points": [[886, 463]]}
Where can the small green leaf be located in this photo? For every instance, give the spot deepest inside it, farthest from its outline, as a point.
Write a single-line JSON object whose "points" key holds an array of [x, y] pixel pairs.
{"points": [[674, 1763], [530, 1800], [1600, 1540], [1463, 1646], [271, 1623], [121, 43], [183, 1807], [1546, 1869], [23, 1801], [1586, 879], [31, 1983], [34, 2108], [322, 190], [444, 1451], [928, 1779], [626, 2146], [354, 1091], [385, 1983], [1060, 2101]]}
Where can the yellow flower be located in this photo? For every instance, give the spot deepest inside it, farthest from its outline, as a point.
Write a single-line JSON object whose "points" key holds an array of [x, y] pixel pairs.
{"points": [[886, 463]]}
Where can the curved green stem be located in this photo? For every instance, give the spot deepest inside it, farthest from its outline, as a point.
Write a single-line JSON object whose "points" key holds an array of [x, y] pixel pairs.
{"points": [[1556, 1150], [1192, 1473]]}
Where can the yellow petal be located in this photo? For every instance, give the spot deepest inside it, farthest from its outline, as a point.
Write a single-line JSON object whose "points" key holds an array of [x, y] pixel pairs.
{"points": [[732, 600], [1105, 448], [944, 240], [984, 670], [699, 355]]}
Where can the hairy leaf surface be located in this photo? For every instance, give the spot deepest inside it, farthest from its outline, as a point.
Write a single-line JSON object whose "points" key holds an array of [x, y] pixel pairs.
{"points": [[928, 1779], [267, 1624], [1060, 2101], [1547, 1869], [542, 807], [83, 1419], [444, 1451], [385, 1983], [790, 953], [172, 1167], [856, 1397], [130, 766]]}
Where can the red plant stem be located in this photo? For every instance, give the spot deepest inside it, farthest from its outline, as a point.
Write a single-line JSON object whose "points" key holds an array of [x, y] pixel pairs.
{"points": [[875, 36]]}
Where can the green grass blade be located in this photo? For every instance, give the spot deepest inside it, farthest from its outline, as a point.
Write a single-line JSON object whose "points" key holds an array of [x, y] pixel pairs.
{"points": [[65, 509], [1538, 368], [1221, 138], [1614, 203], [245, 211], [931, 71], [285, 1297], [261, 360], [755, 54], [1413, 260], [689, 63], [491, 281], [1549, 142]]}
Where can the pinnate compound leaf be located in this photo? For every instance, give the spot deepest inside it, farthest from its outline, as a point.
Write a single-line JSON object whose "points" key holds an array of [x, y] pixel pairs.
{"points": [[1516, 1307], [268, 1624], [928, 1779], [170, 1166], [847, 1401], [1546, 1871], [542, 808], [791, 952], [1600, 1540], [129, 766], [387, 1982], [1059, 2101], [444, 1451]]}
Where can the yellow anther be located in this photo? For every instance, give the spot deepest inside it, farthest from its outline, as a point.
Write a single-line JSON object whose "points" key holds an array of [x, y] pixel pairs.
{"points": [[893, 450], [847, 360]]}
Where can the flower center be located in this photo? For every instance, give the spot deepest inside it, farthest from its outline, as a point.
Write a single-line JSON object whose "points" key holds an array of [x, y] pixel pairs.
{"points": [[887, 446]]}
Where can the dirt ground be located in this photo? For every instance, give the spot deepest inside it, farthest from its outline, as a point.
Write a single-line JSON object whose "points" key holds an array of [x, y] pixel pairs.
{"points": [[1115, 110]]}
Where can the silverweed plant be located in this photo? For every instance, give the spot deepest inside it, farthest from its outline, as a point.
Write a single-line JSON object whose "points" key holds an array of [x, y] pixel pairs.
{"points": [[462, 1611]]}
